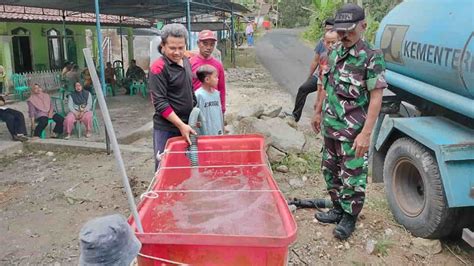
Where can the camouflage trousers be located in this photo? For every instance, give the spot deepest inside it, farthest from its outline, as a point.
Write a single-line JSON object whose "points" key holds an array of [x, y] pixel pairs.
{"points": [[345, 175]]}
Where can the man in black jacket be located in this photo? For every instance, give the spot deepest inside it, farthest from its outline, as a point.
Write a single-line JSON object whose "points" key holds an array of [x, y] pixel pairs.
{"points": [[171, 87]]}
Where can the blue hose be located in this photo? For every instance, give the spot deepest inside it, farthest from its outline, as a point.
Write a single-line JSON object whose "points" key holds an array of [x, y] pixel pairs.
{"points": [[193, 148]]}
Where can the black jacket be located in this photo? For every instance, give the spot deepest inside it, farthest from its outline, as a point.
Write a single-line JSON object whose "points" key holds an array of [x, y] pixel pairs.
{"points": [[171, 87]]}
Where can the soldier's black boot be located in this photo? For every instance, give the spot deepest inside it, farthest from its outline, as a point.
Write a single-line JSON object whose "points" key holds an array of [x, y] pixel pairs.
{"points": [[334, 215], [345, 227]]}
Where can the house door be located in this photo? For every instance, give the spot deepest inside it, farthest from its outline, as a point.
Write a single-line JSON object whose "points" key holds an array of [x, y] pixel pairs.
{"points": [[21, 51]]}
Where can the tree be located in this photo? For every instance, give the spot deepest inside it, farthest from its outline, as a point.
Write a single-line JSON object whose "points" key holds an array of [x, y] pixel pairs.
{"points": [[293, 14], [375, 10], [323, 9]]}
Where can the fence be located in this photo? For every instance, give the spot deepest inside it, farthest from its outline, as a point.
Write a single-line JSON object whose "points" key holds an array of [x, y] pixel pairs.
{"points": [[49, 80]]}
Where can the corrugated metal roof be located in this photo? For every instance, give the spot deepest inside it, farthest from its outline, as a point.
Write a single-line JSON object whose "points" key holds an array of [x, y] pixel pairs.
{"points": [[31, 14], [148, 9]]}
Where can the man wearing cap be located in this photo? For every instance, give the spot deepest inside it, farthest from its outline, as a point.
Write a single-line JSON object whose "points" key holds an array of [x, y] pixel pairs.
{"points": [[354, 86], [310, 85], [206, 44]]}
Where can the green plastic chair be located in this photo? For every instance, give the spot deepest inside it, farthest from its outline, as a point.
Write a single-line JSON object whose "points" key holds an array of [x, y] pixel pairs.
{"points": [[110, 89], [20, 85], [43, 133], [58, 105], [137, 86], [119, 73]]}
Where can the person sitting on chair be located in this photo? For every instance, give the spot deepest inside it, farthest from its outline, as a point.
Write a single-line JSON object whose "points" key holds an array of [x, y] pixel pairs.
{"points": [[15, 121], [86, 76], [134, 73], [80, 106], [40, 109], [66, 69], [2, 79], [72, 77], [110, 74]]}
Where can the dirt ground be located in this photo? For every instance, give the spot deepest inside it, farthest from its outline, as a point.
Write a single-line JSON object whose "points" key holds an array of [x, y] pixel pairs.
{"points": [[46, 198]]}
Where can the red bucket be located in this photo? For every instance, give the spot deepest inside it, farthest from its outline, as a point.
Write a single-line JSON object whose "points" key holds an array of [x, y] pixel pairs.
{"points": [[230, 212]]}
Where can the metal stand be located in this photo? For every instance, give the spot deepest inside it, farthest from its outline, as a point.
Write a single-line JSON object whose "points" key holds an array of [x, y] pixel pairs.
{"points": [[110, 130]]}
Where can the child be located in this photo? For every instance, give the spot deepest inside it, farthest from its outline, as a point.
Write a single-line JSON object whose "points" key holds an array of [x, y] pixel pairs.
{"points": [[209, 101]]}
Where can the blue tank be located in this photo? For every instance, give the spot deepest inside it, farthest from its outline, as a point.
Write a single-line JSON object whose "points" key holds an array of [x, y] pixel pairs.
{"points": [[429, 48]]}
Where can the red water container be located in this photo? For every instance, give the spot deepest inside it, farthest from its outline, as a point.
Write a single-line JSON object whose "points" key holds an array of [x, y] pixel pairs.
{"points": [[226, 211]]}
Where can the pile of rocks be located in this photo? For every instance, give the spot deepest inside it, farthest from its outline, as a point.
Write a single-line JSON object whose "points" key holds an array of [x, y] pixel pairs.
{"points": [[281, 134], [245, 74]]}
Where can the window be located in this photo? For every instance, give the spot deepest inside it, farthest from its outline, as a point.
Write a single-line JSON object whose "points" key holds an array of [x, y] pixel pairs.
{"points": [[61, 48], [56, 58], [21, 50]]}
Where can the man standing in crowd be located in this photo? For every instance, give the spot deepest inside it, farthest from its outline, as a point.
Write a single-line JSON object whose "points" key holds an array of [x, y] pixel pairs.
{"points": [[310, 85], [352, 100], [171, 88], [206, 44]]}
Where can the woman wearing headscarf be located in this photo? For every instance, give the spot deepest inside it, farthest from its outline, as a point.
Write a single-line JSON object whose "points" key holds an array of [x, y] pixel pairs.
{"points": [[40, 109], [80, 106]]}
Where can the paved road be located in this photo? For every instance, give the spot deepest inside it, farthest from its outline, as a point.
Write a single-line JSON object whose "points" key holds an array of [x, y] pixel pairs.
{"points": [[287, 59]]}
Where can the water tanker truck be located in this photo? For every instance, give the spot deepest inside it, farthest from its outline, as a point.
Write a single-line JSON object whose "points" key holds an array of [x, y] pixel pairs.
{"points": [[423, 143]]}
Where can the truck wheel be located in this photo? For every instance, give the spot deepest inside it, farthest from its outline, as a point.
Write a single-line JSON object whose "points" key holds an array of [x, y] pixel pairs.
{"points": [[415, 192]]}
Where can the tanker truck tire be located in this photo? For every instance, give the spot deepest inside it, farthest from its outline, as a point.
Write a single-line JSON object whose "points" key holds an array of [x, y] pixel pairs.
{"points": [[415, 191]]}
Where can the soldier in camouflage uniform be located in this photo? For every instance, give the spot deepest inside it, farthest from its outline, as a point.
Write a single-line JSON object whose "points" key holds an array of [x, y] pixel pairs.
{"points": [[346, 112]]}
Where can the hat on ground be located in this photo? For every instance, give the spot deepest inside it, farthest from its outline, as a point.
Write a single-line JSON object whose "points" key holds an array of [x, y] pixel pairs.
{"points": [[347, 17], [108, 240], [206, 35]]}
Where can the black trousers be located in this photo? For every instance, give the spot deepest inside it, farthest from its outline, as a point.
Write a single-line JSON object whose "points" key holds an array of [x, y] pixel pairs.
{"points": [[306, 88], [43, 123], [15, 121]]}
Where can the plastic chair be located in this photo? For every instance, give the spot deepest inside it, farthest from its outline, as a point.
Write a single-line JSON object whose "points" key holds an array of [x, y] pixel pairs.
{"points": [[138, 86], [119, 73], [58, 105], [110, 89], [43, 132], [21, 86]]}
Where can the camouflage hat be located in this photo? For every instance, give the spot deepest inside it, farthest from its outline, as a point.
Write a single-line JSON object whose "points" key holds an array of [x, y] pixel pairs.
{"points": [[347, 17]]}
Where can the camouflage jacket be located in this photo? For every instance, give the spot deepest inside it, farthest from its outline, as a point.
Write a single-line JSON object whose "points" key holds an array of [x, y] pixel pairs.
{"points": [[351, 75]]}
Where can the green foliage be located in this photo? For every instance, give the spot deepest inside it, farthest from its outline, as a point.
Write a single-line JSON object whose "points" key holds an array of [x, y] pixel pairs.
{"points": [[250, 4], [372, 27], [295, 13], [305, 163], [374, 9], [377, 9], [324, 9]]}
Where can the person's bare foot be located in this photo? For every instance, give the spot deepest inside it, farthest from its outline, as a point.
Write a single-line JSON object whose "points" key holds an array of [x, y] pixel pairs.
{"points": [[68, 136], [88, 134]]}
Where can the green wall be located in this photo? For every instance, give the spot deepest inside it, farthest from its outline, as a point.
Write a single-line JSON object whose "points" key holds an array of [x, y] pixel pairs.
{"points": [[39, 41]]}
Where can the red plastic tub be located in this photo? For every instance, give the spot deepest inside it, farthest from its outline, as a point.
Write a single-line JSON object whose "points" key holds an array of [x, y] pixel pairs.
{"points": [[226, 211]]}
